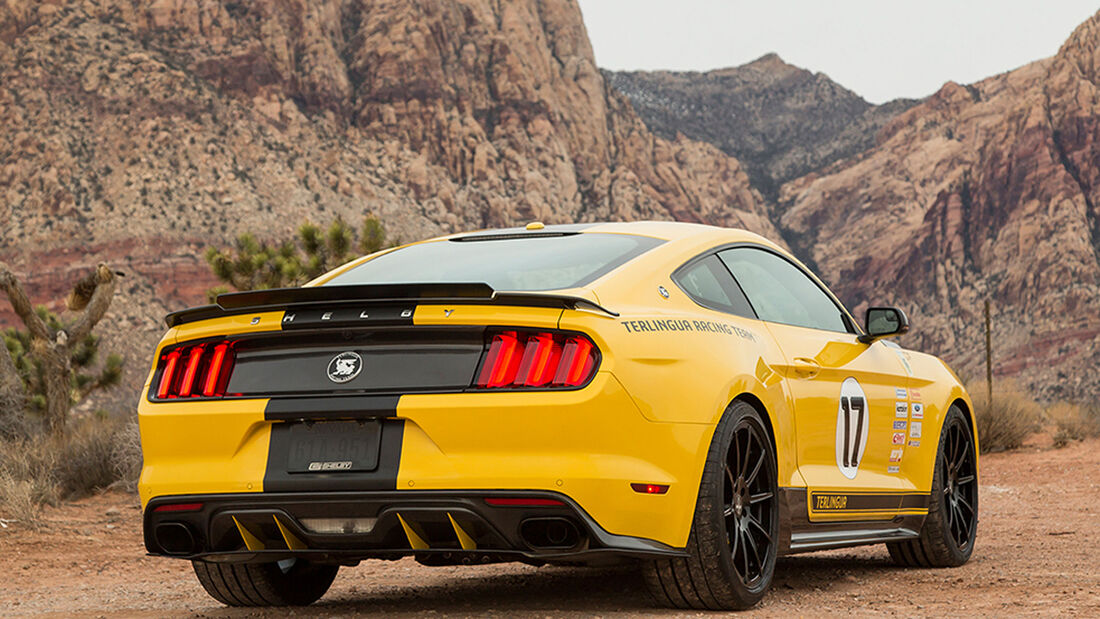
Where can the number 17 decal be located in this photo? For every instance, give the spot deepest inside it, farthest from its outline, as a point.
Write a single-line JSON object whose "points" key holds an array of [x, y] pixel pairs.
{"points": [[852, 419]]}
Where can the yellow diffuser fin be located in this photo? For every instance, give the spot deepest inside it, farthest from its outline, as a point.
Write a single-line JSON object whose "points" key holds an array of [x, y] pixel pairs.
{"points": [[464, 538], [250, 541], [416, 541], [292, 542]]}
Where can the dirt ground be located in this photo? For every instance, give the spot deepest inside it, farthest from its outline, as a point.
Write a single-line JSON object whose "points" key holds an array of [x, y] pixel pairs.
{"points": [[1036, 554]]}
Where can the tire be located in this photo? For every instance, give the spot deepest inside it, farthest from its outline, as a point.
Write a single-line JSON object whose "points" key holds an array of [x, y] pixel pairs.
{"points": [[732, 543], [947, 537], [297, 583]]}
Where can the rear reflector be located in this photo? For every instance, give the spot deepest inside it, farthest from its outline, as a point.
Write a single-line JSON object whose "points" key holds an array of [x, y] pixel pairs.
{"points": [[546, 359], [178, 507], [195, 371], [522, 502], [650, 488]]}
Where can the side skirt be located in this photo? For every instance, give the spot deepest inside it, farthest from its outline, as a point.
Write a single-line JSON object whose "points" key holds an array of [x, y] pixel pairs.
{"points": [[798, 534]]}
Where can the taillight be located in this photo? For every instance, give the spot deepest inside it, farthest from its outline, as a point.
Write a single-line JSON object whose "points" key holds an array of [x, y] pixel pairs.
{"points": [[537, 359], [196, 371]]}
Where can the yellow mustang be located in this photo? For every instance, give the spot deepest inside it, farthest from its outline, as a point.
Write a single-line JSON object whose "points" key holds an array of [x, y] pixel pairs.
{"points": [[685, 397]]}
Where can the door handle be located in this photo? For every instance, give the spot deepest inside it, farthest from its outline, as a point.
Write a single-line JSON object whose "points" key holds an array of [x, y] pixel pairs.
{"points": [[805, 367]]}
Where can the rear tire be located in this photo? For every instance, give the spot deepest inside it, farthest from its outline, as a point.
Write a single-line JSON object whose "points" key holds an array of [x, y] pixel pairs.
{"points": [[733, 535], [947, 537], [297, 583]]}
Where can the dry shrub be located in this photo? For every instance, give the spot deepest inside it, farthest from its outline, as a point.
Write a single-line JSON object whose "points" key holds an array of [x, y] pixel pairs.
{"points": [[1005, 422], [1073, 422], [21, 500], [96, 453]]}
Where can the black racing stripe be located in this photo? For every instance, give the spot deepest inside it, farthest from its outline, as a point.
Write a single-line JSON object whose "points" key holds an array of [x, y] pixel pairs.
{"points": [[865, 501], [384, 477], [915, 501], [329, 408]]}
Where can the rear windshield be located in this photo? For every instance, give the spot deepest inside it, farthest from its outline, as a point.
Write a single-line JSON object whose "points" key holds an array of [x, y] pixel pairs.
{"points": [[530, 263]]}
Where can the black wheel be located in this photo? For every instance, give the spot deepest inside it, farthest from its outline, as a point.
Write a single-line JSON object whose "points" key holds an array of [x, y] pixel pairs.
{"points": [[733, 534], [286, 583], [947, 537]]}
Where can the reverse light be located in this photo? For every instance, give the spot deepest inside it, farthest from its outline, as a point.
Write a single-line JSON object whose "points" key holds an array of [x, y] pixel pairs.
{"points": [[195, 371], [537, 359], [649, 488]]}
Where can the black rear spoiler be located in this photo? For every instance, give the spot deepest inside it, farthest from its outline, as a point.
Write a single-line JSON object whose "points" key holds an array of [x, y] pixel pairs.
{"points": [[281, 299]]}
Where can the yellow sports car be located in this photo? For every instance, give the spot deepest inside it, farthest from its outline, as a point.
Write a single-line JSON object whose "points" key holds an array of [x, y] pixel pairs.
{"points": [[688, 398]]}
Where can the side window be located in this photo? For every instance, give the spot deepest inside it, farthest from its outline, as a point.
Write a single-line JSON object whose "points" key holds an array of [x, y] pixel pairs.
{"points": [[709, 284], [780, 292]]}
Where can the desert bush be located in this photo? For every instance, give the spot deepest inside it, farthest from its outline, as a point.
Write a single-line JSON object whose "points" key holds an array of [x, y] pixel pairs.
{"points": [[21, 500], [44, 468], [1007, 420], [1073, 422]]}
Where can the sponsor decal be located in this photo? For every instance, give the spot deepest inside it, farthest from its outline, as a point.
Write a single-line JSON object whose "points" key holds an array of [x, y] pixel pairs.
{"points": [[343, 465], [917, 410], [856, 502], [914, 394], [898, 439], [893, 469], [901, 409], [914, 429], [447, 313], [899, 392], [899, 425], [914, 443], [701, 326], [344, 367], [895, 455], [826, 502], [852, 422]]}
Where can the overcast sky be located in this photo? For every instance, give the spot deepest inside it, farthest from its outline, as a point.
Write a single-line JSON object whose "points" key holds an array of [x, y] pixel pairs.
{"points": [[881, 49]]}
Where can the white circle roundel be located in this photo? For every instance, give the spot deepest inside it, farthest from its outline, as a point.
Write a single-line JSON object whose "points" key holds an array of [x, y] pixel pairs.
{"points": [[344, 367], [852, 419]]}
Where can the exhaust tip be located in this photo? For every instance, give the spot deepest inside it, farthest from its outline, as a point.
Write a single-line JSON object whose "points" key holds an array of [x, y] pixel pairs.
{"points": [[549, 533], [175, 538]]}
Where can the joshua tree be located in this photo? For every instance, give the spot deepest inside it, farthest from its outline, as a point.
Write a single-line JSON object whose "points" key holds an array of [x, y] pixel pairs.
{"points": [[52, 345], [254, 264]]}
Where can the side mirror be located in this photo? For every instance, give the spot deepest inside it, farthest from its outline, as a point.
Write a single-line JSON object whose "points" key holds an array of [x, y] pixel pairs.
{"points": [[884, 322]]}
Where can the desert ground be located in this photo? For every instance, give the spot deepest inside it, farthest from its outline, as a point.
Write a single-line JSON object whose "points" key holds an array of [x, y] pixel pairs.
{"points": [[1035, 555]]}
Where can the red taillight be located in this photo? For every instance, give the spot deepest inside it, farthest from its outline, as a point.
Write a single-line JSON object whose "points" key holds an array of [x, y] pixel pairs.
{"points": [[178, 507], [205, 371], [188, 381], [520, 359], [171, 360], [522, 502], [214, 373]]}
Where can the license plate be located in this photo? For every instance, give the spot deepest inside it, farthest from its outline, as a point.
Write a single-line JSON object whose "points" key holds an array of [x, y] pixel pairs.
{"points": [[334, 447]]}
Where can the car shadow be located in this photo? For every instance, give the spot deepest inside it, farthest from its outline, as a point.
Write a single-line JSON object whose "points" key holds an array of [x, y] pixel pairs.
{"points": [[564, 590]]}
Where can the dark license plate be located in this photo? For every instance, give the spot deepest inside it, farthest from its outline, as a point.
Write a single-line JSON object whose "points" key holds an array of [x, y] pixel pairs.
{"points": [[334, 447]]}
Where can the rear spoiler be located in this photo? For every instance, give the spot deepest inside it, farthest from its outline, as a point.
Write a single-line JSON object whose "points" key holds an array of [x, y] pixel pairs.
{"points": [[281, 299]]}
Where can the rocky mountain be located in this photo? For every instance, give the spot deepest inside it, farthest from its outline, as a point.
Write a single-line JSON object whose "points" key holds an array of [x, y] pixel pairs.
{"points": [[990, 190], [779, 120], [138, 132]]}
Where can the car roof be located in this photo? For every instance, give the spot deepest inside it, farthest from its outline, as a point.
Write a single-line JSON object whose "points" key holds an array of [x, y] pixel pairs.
{"points": [[665, 230]]}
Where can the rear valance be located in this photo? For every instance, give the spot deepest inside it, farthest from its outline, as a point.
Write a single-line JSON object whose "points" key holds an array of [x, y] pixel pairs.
{"points": [[281, 299]]}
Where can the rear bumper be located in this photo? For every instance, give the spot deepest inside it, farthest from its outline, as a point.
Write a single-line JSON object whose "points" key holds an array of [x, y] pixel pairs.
{"points": [[589, 445], [441, 527]]}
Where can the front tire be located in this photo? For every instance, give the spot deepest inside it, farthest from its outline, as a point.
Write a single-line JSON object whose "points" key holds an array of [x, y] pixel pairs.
{"points": [[733, 535], [947, 537], [285, 583]]}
